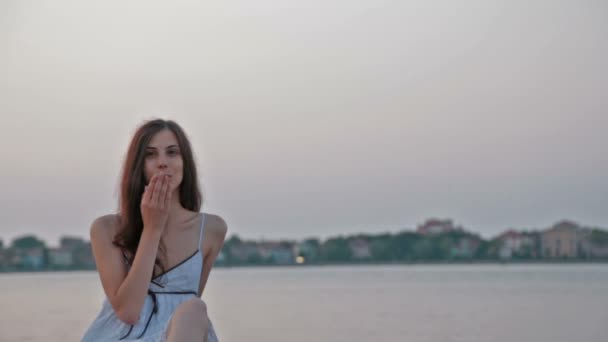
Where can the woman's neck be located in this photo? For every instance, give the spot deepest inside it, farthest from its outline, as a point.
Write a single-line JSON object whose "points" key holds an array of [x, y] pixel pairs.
{"points": [[178, 215], [175, 207]]}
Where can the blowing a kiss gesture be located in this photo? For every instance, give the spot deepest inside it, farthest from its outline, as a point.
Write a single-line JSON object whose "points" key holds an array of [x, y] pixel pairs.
{"points": [[155, 203]]}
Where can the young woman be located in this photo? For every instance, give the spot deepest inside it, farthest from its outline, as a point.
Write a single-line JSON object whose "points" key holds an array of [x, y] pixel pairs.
{"points": [[154, 256]]}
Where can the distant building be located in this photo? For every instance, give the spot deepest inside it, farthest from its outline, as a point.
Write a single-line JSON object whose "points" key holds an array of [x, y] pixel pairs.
{"points": [[360, 249], [514, 243], [243, 252], [71, 243], [590, 248], [60, 257], [4, 259], [265, 248], [276, 252], [83, 256], [31, 258], [466, 247], [308, 250], [79, 249], [435, 226], [563, 240], [598, 251]]}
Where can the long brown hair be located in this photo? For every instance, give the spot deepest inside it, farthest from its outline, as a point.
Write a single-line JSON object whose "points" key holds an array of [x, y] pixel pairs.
{"points": [[133, 182]]}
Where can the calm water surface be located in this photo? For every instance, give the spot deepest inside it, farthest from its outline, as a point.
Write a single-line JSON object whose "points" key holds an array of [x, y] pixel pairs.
{"points": [[422, 303]]}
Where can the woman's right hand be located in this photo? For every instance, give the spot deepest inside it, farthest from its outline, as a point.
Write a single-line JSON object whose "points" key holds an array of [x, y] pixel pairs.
{"points": [[155, 203]]}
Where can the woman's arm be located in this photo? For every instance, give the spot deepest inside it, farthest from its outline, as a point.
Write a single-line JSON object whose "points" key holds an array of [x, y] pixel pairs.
{"points": [[214, 240], [127, 291]]}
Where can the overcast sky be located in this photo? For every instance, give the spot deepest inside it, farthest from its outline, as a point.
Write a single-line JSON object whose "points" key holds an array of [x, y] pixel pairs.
{"points": [[311, 118]]}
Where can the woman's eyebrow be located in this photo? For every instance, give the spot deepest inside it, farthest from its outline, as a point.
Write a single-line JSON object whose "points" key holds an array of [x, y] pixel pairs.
{"points": [[154, 148]]}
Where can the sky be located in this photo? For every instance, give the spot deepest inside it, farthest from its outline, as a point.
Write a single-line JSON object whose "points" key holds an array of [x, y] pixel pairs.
{"points": [[311, 118]]}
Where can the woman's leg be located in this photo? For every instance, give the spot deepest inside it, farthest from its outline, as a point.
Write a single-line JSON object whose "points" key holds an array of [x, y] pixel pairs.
{"points": [[189, 322]]}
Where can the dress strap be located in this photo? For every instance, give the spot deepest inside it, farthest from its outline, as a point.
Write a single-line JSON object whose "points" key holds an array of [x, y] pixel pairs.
{"points": [[200, 238]]}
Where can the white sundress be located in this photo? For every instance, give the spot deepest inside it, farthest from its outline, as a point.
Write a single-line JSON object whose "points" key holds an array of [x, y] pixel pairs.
{"points": [[165, 293]]}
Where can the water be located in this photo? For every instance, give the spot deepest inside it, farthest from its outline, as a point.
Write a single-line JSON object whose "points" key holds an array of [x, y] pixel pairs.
{"points": [[423, 303]]}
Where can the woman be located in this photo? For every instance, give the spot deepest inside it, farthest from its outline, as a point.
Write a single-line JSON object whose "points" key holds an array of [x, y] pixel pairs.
{"points": [[154, 256]]}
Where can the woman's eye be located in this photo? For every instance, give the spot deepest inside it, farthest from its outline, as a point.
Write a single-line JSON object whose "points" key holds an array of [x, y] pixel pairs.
{"points": [[171, 153]]}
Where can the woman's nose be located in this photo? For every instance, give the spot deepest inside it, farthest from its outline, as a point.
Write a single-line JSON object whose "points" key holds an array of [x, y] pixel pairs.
{"points": [[162, 160]]}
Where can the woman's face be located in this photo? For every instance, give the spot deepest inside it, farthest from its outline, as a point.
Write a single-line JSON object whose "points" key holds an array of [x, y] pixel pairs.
{"points": [[163, 155]]}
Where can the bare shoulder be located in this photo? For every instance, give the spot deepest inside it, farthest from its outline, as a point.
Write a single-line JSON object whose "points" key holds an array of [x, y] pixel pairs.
{"points": [[104, 227], [216, 227]]}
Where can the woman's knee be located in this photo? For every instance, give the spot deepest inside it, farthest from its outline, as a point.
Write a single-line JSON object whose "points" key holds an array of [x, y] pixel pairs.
{"points": [[194, 306], [190, 317]]}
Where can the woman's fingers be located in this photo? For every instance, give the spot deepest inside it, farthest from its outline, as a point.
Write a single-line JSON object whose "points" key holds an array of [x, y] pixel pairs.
{"points": [[168, 194], [150, 188], [156, 191], [163, 191], [154, 207]]}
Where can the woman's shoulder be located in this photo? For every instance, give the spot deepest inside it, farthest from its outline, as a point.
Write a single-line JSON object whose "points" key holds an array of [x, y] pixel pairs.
{"points": [[215, 225], [104, 225]]}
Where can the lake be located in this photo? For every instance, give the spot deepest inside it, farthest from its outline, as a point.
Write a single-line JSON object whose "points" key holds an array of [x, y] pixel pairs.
{"points": [[421, 303]]}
